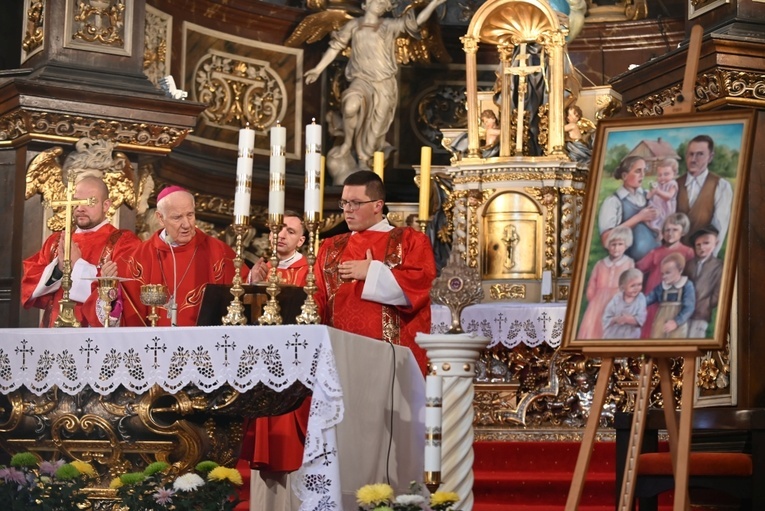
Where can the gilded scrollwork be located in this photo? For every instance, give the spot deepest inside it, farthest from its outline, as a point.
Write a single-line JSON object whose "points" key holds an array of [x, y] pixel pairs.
{"points": [[475, 200], [156, 40], [240, 90], [507, 291], [548, 198], [100, 21], [34, 33]]}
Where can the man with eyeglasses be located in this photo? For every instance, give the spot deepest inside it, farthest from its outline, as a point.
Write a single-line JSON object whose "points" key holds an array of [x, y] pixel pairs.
{"points": [[375, 281]]}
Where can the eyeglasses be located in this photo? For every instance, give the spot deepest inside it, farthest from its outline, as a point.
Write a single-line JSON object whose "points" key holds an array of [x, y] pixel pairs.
{"points": [[353, 205]]}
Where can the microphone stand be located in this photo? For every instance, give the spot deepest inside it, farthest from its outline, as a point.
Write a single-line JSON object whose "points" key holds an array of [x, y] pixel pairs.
{"points": [[173, 303]]}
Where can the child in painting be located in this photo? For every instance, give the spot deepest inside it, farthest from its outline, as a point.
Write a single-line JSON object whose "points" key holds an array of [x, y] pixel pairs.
{"points": [[663, 192], [705, 270], [676, 297], [604, 281], [625, 313], [675, 227]]}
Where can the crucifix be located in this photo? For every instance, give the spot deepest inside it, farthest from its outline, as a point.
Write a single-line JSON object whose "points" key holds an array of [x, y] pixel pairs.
{"points": [[522, 70], [66, 316]]}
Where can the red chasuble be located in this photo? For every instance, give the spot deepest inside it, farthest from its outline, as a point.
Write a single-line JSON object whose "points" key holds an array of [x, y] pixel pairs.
{"points": [[276, 443], [202, 260], [96, 247], [409, 256]]}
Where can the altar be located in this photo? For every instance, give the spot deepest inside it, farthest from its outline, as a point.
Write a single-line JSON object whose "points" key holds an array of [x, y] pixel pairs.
{"points": [[83, 393]]}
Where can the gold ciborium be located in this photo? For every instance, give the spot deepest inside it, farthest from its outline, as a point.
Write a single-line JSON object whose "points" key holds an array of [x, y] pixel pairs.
{"points": [[107, 292], [154, 295]]}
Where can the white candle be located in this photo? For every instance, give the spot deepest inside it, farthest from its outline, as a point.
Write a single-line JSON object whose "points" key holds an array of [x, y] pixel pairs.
{"points": [[321, 187], [546, 282], [433, 395], [277, 173], [312, 169], [379, 163], [425, 156], [244, 173]]}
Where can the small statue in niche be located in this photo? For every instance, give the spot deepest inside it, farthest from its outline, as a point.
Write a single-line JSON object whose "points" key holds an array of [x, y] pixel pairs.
{"points": [[578, 133], [488, 132]]}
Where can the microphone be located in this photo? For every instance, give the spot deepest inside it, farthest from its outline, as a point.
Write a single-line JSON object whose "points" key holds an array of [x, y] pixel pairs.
{"points": [[173, 303]]}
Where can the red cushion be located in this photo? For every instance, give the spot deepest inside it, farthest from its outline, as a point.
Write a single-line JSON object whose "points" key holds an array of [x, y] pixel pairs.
{"points": [[701, 464]]}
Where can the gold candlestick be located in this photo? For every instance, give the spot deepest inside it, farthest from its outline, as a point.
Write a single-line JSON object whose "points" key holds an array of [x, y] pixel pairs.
{"points": [[107, 292], [271, 310], [423, 225], [235, 315], [154, 295], [309, 313]]}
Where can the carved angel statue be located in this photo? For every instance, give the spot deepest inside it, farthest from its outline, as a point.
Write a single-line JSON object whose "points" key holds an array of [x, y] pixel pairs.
{"points": [[46, 176], [369, 103]]}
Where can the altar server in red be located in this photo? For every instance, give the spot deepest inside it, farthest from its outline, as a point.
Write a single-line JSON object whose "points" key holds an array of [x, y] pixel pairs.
{"points": [[180, 256], [293, 266], [375, 281], [96, 248]]}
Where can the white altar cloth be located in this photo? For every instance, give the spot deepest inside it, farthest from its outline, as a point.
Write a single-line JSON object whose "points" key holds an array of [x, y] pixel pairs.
{"points": [[507, 323], [208, 357]]}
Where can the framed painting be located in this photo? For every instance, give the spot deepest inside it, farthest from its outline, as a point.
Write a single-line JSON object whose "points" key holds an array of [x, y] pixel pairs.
{"points": [[656, 256]]}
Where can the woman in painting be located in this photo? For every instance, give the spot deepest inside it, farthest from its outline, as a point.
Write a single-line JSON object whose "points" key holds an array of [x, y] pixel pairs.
{"points": [[629, 207]]}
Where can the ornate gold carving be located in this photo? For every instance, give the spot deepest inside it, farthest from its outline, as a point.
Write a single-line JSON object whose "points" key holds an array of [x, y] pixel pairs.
{"points": [[563, 291], [548, 198], [469, 44], [70, 128], [34, 33], [738, 87], [240, 90], [475, 200], [100, 21], [156, 40], [507, 291], [518, 175]]}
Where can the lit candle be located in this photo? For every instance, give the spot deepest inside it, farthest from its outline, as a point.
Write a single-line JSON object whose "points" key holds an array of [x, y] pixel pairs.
{"points": [[277, 171], [379, 163], [244, 174], [312, 170], [425, 155], [433, 403]]}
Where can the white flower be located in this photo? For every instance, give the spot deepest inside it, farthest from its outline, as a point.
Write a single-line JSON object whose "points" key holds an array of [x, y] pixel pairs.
{"points": [[411, 500], [188, 482]]}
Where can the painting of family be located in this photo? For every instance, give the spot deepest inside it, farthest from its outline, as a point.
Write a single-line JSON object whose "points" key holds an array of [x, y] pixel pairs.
{"points": [[660, 230]]}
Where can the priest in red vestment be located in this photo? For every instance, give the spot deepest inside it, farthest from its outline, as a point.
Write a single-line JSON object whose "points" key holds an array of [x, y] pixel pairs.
{"points": [[375, 281], [96, 248], [274, 445], [181, 257]]}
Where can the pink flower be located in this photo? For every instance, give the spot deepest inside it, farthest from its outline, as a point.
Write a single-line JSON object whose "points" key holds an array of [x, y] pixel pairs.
{"points": [[164, 496]]}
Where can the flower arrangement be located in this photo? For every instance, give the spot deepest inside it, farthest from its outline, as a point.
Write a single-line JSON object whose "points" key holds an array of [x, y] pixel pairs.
{"points": [[211, 488], [30, 485], [381, 497]]}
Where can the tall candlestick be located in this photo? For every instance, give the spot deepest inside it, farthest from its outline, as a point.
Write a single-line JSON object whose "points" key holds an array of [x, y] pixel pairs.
{"points": [[277, 172], [425, 156], [244, 174], [312, 170], [379, 163], [321, 188]]}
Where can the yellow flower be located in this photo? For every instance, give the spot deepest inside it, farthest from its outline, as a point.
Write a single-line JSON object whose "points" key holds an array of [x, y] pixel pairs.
{"points": [[374, 494], [84, 468], [115, 483], [443, 497], [224, 473]]}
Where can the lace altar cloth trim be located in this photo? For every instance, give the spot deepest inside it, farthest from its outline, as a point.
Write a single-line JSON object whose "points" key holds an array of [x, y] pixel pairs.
{"points": [[509, 324], [207, 357]]}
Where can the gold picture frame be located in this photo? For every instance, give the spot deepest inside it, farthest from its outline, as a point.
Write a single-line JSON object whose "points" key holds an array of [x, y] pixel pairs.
{"points": [[623, 247]]}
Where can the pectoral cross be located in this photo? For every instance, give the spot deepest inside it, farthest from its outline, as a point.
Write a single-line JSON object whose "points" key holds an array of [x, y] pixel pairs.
{"points": [[522, 70], [66, 316]]}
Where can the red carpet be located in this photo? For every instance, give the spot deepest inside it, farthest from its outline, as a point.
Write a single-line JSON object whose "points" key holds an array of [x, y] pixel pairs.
{"points": [[536, 476]]}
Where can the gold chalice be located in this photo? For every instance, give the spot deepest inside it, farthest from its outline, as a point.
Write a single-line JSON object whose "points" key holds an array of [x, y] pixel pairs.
{"points": [[107, 292], [154, 295]]}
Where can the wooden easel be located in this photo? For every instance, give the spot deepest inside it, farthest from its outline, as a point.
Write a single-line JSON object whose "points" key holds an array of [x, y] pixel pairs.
{"points": [[679, 434]]}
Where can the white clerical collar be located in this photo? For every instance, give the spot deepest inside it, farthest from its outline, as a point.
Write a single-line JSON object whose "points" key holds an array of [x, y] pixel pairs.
{"points": [[163, 237], [286, 263], [94, 229], [381, 226]]}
